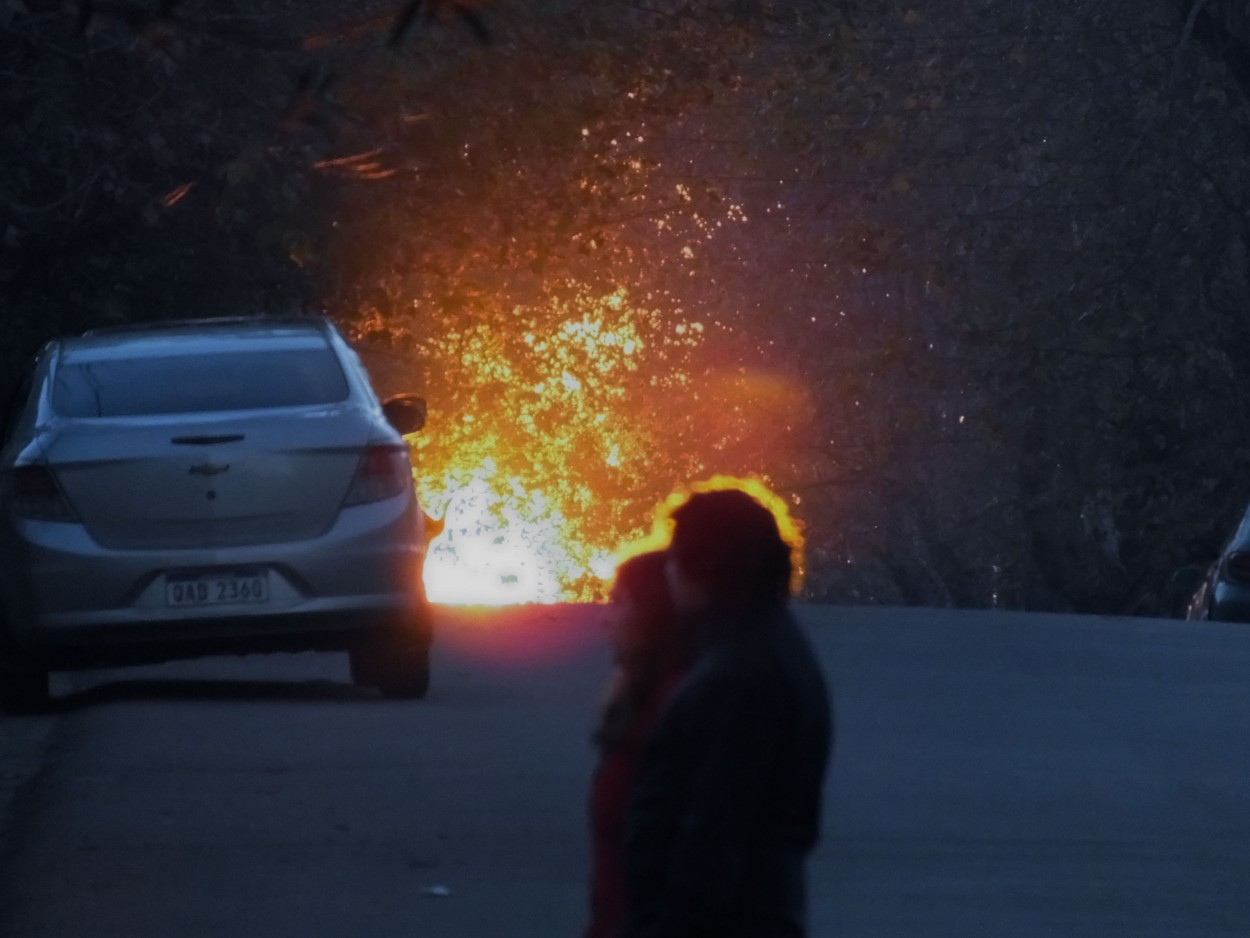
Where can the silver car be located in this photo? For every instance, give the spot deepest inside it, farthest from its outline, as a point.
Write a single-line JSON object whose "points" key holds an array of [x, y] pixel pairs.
{"points": [[204, 487]]}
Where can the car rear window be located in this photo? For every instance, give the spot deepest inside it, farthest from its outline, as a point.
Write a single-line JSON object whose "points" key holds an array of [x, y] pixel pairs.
{"points": [[179, 384]]}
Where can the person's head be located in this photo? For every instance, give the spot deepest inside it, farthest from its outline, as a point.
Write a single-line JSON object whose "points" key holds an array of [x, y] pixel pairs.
{"points": [[727, 552], [641, 616]]}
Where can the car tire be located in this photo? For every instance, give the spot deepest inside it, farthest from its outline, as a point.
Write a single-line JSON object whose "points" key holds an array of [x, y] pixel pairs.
{"points": [[397, 664], [23, 689], [408, 677]]}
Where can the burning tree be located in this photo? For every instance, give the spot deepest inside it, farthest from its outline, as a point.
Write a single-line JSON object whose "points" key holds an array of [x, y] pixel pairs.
{"points": [[553, 304], [548, 459]]}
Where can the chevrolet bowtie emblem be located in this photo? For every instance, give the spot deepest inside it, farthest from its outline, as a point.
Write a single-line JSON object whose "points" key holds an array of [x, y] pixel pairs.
{"points": [[209, 469]]}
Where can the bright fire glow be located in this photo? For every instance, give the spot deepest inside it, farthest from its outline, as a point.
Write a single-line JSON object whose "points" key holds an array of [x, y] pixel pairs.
{"points": [[544, 459], [546, 463], [498, 549], [501, 551], [559, 436]]}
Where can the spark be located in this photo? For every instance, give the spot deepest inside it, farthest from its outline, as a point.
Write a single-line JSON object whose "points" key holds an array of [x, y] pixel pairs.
{"points": [[173, 197]]}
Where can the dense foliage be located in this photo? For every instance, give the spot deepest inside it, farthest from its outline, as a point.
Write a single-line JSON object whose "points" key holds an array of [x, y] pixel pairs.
{"points": [[963, 280]]}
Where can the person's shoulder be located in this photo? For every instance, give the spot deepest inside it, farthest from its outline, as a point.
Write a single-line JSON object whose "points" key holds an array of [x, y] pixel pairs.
{"points": [[766, 635], [718, 671], [783, 653]]}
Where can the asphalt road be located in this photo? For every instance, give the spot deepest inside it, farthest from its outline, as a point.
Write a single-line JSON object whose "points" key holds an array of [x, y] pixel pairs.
{"points": [[995, 775]]}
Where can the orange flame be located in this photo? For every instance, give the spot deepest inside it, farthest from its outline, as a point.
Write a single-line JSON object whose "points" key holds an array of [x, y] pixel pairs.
{"points": [[545, 468], [545, 460]]}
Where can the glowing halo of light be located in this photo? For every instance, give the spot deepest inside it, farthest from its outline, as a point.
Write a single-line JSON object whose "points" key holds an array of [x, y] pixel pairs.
{"points": [[550, 446], [543, 461], [661, 534], [489, 555]]}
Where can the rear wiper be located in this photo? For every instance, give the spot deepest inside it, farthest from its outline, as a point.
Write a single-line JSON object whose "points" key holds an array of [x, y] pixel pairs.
{"points": [[206, 440]]}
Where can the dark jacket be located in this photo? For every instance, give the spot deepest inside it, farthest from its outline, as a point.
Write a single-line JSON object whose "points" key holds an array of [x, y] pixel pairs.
{"points": [[727, 799], [628, 724]]}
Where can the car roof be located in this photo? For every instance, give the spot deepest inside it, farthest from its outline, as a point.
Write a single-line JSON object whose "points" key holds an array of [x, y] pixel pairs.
{"points": [[198, 336]]}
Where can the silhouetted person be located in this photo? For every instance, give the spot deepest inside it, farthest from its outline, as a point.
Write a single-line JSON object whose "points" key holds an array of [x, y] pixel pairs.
{"points": [[726, 804], [651, 656]]}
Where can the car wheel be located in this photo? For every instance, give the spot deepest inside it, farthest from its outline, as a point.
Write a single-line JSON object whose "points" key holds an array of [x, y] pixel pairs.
{"points": [[23, 689], [397, 664], [408, 674]]}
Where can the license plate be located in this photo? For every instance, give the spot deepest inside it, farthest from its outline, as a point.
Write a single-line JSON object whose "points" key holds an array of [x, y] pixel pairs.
{"points": [[218, 589]]}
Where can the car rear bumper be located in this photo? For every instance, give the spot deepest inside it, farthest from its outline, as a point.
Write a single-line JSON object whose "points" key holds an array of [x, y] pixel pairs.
{"points": [[153, 642], [69, 593]]}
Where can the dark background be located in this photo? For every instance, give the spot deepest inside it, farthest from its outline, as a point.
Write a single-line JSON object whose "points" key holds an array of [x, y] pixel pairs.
{"points": [[973, 275]]}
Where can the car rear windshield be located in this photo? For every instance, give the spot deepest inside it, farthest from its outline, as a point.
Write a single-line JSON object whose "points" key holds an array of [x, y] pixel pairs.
{"points": [[179, 384]]}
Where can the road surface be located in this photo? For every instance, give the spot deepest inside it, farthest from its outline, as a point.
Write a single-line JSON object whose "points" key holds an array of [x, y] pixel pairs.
{"points": [[995, 775]]}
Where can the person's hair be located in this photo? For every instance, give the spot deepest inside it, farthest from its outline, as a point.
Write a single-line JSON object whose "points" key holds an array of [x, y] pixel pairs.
{"points": [[729, 543], [660, 645], [642, 578]]}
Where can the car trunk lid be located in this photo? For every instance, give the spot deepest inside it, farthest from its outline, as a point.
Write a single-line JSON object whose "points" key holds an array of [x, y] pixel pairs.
{"points": [[148, 483]]}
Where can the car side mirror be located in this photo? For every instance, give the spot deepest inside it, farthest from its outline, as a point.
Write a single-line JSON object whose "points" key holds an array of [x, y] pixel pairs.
{"points": [[405, 412]]}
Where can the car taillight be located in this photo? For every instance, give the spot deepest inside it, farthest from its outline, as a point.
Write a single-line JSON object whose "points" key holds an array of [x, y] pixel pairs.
{"points": [[1237, 566], [383, 472], [35, 494]]}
